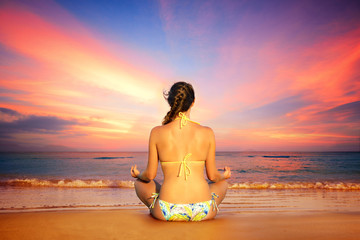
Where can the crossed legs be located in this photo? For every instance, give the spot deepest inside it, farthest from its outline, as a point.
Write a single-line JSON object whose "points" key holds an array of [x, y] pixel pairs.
{"points": [[144, 190]]}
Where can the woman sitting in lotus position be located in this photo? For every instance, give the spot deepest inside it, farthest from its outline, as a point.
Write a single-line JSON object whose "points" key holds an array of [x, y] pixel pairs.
{"points": [[183, 148]]}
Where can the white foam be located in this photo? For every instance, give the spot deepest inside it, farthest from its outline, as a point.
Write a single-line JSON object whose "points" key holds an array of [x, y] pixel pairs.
{"points": [[77, 183], [297, 185]]}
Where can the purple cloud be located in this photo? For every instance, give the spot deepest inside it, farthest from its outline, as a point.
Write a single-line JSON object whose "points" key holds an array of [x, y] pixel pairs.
{"points": [[32, 123]]}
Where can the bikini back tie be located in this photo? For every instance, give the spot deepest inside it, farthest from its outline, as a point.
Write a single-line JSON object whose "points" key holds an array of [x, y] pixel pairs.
{"points": [[184, 120], [184, 167]]}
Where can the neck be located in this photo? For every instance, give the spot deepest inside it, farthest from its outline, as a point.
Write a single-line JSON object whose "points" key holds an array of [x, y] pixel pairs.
{"points": [[187, 113]]}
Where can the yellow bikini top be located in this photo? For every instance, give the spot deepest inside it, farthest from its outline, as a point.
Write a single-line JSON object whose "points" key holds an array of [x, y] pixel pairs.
{"points": [[184, 167]]}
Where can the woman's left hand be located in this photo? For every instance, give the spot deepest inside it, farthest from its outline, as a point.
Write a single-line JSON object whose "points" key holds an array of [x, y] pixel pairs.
{"points": [[134, 171], [227, 173]]}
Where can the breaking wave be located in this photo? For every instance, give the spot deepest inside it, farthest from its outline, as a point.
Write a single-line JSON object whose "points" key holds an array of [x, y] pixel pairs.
{"points": [[66, 183], [78, 183], [297, 185]]}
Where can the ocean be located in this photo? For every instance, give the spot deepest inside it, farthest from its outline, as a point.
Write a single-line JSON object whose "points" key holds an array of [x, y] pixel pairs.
{"points": [[261, 181]]}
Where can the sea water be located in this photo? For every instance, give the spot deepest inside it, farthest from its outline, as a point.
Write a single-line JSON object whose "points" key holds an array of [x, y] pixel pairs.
{"points": [[260, 180]]}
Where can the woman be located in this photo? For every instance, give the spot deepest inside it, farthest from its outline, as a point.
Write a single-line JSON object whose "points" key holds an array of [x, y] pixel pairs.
{"points": [[183, 148]]}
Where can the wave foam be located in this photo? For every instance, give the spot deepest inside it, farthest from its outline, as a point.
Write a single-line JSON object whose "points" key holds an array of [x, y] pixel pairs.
{"points": [[77, 183], [298, 185]]}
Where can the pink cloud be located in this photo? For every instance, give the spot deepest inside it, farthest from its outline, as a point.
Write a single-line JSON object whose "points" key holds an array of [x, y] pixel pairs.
{"points": [[323, 73], [78, 55], [68, 73]]}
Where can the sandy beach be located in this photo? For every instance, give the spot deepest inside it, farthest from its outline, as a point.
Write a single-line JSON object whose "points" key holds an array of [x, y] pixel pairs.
{"points": [[91, 197], [138, 224]]}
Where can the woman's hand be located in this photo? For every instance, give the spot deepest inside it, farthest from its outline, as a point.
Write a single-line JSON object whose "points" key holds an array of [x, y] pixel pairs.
{"points": [[227, 173], [134, 171]]}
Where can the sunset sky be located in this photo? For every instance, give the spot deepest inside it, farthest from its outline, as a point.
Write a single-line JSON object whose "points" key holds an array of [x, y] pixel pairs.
{"points": [[268, 75]]}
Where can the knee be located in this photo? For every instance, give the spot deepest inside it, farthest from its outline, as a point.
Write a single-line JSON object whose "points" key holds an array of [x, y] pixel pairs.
{"points": [[224, 184], [136, 183], [139, 184], [223, 187]]}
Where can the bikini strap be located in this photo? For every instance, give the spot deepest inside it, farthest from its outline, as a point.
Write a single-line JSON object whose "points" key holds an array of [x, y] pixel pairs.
{"points": [[154, 196], [184, 119], [213, 196], [184, 167]]}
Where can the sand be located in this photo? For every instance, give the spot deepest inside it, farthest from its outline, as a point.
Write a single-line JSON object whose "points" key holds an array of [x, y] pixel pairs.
{"points": [[138, 224]]}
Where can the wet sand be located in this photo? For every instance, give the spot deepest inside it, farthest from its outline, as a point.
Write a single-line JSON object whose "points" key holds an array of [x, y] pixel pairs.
{"points": [[138, 224]]}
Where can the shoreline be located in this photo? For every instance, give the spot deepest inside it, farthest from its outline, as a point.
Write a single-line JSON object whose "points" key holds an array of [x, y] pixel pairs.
{"points": [[243, 200], [143, 210], [138, 224], [225, 209], [231, 209]]}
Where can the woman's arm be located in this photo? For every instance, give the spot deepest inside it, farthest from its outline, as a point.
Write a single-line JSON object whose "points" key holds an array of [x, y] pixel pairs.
{"points": [[211, 171], [150, 172]]}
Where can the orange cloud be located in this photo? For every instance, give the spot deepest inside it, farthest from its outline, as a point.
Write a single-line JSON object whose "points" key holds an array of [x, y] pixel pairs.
{"points": [[321, 76], [73, 75], [78, 56], [273, 94]]}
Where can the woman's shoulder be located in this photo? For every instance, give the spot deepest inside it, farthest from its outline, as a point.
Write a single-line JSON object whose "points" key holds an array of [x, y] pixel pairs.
{"points": [[208, 129], [204, 129], [156, 129]]}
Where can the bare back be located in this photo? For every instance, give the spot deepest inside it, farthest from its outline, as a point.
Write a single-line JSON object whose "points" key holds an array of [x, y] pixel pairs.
{"points": [[173, 144]]}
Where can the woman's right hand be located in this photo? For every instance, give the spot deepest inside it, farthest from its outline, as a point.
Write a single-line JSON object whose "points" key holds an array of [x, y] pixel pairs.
{"points": [[227, 173], [134, 171]]}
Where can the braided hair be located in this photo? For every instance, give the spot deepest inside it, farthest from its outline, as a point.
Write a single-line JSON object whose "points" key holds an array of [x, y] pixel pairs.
{"points": [[180, 97]]}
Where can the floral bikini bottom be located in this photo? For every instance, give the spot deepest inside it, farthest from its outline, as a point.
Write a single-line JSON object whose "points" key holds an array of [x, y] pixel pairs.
{"points": [[185, 212]]}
